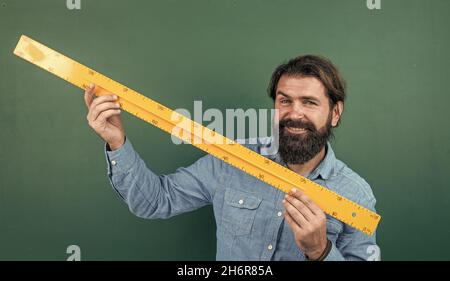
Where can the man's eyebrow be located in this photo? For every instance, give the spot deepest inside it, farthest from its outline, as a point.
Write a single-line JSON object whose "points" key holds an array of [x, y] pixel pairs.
{"points": [[284, 94], [302, 97]]}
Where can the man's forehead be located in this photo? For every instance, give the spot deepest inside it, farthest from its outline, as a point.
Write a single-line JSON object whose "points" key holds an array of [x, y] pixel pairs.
{"points": [[301, 86]]}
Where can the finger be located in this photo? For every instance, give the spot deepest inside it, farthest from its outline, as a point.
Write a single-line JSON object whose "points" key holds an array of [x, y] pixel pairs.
{"points": [[99, 100], [103, 107], [295, 214], [300, 195], [106, 114], [295, 227], [301, 207], [89, 95], [102, 99]]}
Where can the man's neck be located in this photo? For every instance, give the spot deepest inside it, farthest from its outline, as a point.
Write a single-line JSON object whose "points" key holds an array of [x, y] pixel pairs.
{"points": [[306, 168]]}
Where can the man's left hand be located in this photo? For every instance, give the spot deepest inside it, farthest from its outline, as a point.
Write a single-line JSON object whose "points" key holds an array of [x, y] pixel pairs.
{"points": [[308, 223]]}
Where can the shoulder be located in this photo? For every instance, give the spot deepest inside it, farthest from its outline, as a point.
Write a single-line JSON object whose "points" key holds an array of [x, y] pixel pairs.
{"points": [[350, 184]]}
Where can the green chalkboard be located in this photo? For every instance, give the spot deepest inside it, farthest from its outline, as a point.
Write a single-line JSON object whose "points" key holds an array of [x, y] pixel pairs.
{"points": [[54, 191]]}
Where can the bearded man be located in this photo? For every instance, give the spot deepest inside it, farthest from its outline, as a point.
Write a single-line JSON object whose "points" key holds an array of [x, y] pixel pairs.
{"points": [[255, 222]]}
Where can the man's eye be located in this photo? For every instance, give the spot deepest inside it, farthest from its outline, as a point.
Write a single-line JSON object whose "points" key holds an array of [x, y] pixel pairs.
{"points": [[285, 101], [308, 102]]}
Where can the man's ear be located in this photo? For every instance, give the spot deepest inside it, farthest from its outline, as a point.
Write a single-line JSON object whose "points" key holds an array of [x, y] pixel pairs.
{"points": [[338, 108]]}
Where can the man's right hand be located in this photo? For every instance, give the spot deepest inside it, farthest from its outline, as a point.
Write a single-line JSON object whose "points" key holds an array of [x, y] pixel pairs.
{"points": [[104, 117]]}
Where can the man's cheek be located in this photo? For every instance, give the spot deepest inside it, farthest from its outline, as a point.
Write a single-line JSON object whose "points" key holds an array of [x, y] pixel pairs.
{"points": [[277, 118]]}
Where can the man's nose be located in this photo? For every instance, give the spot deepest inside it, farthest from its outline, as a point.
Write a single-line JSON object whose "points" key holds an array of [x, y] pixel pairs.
{"points": [[296, 111]]}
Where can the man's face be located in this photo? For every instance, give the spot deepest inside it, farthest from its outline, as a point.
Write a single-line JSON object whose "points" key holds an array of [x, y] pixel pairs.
{"points": [[305, 117]]}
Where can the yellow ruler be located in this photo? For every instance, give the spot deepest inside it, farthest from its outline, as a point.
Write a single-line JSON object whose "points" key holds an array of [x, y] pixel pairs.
{"points": [[205, 139]]}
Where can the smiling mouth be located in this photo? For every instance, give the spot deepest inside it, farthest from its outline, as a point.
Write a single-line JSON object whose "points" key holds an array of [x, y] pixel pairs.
{"points": [[296, 130]]}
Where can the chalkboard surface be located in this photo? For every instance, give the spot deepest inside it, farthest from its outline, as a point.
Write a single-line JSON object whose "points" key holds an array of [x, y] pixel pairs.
{"points": [[54, 191]]}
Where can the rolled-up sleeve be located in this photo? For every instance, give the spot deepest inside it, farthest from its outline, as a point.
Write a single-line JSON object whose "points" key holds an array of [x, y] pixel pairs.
{"points": [[161, 196]]}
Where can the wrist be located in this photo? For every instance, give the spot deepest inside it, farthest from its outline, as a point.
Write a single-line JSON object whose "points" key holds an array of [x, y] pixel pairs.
{"points": [[320, 254], [116, 145]]}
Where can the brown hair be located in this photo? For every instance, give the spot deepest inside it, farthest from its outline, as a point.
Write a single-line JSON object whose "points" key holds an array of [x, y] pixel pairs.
{"points": [[312, 66]]}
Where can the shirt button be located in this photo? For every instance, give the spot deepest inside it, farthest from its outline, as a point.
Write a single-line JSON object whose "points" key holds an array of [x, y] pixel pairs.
{"points": [[270, 247], [241, 202], [279, 214], [113, 163]]}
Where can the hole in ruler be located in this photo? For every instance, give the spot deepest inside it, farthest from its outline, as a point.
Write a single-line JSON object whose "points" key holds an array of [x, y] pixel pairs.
{"points": [[353, 214]]}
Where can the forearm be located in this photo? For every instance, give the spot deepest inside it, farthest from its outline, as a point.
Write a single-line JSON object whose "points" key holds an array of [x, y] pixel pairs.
{"points": [[151, 196], [137, 185]]}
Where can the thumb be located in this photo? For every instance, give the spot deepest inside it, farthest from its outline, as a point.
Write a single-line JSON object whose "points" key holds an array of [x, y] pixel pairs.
{"points": [[89, 95]]}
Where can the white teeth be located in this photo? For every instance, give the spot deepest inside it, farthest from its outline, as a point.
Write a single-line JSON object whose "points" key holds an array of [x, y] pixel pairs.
{"points": [[296, 129]]}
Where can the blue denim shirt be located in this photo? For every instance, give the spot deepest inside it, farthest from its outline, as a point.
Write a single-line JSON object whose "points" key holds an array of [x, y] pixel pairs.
{"points": [[248, 212]]}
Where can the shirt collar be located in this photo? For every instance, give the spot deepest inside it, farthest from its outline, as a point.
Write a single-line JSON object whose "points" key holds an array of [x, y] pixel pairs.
{"points": [[325, 169]]}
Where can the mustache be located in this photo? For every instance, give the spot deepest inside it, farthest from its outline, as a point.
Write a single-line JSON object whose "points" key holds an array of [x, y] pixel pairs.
{"points": [[300, 124]]}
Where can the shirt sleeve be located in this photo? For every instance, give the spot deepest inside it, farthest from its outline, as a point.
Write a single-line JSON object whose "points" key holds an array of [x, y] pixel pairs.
{"points": [[151, 196]]}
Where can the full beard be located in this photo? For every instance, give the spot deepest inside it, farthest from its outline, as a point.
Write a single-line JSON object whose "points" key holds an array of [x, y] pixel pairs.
{"points": [[302, 147]]}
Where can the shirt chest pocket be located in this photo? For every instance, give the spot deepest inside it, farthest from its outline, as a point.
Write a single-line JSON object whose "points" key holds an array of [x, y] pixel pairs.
{"points": [[239, 211]]}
